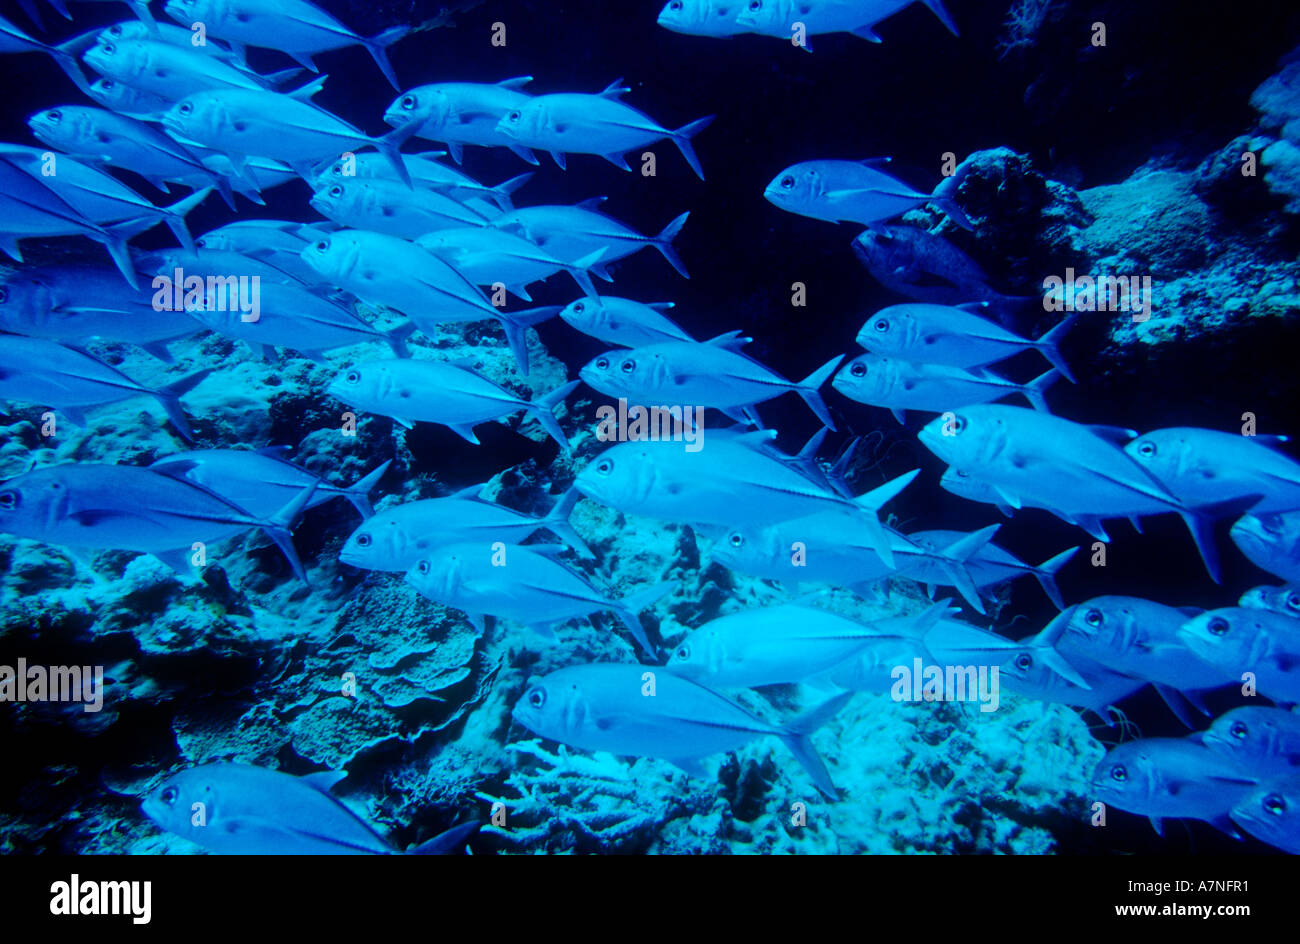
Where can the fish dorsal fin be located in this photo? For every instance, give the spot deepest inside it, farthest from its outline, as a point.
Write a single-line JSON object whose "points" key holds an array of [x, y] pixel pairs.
{"points": [[591, 203], [472, 492], [516, 83], [731, 341], [305, 93], [275, 452], [974, 308], [876, 161], [324, 781], [1189, 611], [614, 89], [1114, 434], [464, 363], [661, 306]]}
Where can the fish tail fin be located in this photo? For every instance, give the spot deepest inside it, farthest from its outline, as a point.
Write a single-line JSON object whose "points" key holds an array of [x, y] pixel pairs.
{"points": [[279, 528], [1050, 343], [378, 45], [503, 192], [396, 338], [557, 522], [541, 410], [810, 389], [870, 505], [515, 323], [937, 8], [389, 145], [664, 243], [797, 736], [177, 212], [169, 397], [1046, 574], [1035, 389], [682, 138], [359, 491], [630, 606]]}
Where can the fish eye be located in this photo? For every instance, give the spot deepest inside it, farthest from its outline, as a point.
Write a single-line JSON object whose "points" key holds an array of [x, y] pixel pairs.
{"points": [[109, 48], [683, 652], [1093, 617], [54, 115], [605, 466], [1239, 730], [578, 308], [336, 191], [353, 376], [363, 540], [755, 5], [170, 795], [422, 568], [1024, 662], [957, 425], [8, 500], [1291, 601], [107, 84], [323, 245], [675, 5], [1275, 804], [514, 116], [1119, 773], [1218, 626], [628, 366], [1146, 449], [787, 182], [186, 108], [116, 29], [858, 369], [881, 325], [537, 698], [602, 364], [408, 102], [736, 539]]}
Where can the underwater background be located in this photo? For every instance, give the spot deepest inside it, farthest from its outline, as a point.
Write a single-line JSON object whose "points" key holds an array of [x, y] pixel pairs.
{"points": [[1123, 158]]}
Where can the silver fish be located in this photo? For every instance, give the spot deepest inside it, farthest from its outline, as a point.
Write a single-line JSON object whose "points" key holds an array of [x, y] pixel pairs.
{"points": [[712, 373], [396, 537], [47, 373], [85, 505], [524, 584], [594, 124], [604, 707], [1236, 640], [460, 113], [855, 192], [936, 388], [1271, 542], [1171, 778], [256, 811], [263, 481], [438, 392], [1204, 465], [622, 321]]}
